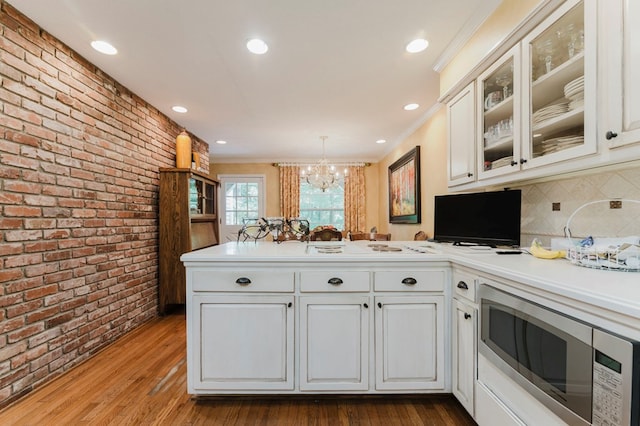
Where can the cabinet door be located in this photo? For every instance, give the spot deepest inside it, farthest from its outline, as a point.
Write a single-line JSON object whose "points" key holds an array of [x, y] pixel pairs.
{"points": [[499, 116], [409, 342], [463, 351], [620, 65], [334, 343], [461, 130], [559, 90], [241, 343], [202, 197]]}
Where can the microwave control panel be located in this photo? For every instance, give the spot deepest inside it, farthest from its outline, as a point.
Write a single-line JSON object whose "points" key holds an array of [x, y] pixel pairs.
{"points": [[616, 381], [607, 391]]}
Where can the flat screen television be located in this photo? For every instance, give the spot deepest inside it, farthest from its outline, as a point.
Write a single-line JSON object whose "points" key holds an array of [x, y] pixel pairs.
{"points": [[482, 218]]}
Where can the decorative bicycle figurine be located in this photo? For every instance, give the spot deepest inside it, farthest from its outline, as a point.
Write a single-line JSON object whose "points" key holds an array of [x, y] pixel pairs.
{"points": [[280, 228]]}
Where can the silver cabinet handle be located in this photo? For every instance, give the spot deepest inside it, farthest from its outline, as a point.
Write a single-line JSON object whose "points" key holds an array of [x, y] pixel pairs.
{"points": [[243, 281], [467, 315], [463, 285], [335, 281]]}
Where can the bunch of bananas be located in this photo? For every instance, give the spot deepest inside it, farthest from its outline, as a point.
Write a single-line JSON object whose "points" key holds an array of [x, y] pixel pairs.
{"points": [[539, 251]]}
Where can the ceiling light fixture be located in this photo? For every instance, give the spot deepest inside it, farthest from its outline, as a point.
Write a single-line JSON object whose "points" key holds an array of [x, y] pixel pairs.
{"points": [[411, 107], [322, 175], [257, 46], [104, 47], [381, 141], [417, 45], [180, 109], [221, 142]]}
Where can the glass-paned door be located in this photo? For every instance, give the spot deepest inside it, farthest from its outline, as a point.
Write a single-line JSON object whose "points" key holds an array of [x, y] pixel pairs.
{"points": [[560, 84], [242, 198], [499, 116], [201, 198]]}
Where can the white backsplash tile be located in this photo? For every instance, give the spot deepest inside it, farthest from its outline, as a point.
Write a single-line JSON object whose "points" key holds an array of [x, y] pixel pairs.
{"points": [[598, 220]]}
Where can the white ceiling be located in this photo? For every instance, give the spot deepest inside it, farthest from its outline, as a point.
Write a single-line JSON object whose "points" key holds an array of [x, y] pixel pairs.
{"points": [[334, 67]]}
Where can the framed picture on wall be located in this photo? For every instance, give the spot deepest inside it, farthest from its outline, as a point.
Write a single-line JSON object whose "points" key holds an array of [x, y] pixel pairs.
{"points": [[404, 188]]}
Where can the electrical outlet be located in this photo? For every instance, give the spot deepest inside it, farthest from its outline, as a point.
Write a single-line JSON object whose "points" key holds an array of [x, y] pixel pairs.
{"points": [[615, 204], [555, 207]]}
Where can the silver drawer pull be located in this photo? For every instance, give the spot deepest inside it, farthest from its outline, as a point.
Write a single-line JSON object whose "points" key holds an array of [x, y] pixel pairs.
{"points": [[243, 281], [463, 285], [409, 281], [335, 281]]}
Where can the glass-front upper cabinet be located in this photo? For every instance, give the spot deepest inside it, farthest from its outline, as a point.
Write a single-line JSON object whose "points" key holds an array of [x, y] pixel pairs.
{"points": [[499, 116], [202, 196], [559, 86]]}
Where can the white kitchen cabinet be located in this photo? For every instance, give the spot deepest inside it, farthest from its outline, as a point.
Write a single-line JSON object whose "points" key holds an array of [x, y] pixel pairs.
{"points": [[620, 66], [559, 86], [309, 325], [464, 328], [499, 121], [548, 114], [334, 342], [245, 343], [461, 129], [463, 348], [410, 329], [547, 122], [409, 342]]}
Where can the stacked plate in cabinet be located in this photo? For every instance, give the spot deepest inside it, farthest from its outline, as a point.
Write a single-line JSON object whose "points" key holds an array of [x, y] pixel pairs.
{"points": [[548, 146], [501, 162], [549, 112], [574, 92]]}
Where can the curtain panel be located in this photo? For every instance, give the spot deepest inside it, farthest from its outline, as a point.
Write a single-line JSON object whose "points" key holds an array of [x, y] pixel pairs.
{"points": [[354, 200], [289, 191]]}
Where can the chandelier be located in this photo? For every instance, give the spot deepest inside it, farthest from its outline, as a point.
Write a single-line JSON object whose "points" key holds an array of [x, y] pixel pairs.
{"points": [[322, 175]]}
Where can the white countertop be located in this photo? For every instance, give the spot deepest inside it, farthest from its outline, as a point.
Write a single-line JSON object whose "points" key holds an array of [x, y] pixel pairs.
{"points": [[613, 290], [309, 252]]}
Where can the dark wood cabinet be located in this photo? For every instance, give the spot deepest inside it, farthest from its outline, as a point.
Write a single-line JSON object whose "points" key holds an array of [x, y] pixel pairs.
{"points": [[188, 221]]}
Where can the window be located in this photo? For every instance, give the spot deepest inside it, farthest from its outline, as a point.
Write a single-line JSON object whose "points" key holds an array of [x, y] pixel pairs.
{"points": [[241, 202], [242, 196], [322, 208]]}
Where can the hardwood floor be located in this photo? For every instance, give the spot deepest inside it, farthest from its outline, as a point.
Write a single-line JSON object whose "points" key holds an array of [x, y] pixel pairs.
{"points": [[141, 379]]}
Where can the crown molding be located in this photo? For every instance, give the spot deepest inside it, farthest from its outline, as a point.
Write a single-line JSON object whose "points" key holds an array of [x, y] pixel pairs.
{"points": [[466, 32]]}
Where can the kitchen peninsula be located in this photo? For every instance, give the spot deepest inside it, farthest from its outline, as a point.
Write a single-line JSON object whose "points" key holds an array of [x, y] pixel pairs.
{"points": [[266, 318]]}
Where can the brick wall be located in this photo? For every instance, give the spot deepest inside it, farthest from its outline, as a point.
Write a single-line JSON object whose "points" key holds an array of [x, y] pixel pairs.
{"points": [[79, 159]]}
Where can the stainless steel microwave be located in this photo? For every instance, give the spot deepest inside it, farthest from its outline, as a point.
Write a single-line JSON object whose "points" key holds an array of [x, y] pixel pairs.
{"points": [[583, 374]]}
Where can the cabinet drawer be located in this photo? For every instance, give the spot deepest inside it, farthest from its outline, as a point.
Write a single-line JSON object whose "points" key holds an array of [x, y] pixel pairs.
{"points": [[249, 281], [409, 280], [464, 285], [343, 281]]}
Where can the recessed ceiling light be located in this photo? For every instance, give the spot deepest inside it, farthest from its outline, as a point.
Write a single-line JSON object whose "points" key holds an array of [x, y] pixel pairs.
{"points": [[104, 47], [417, 45], [221, 142], [411, 107], [179, 109], [381, 141], [257, 46]]}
